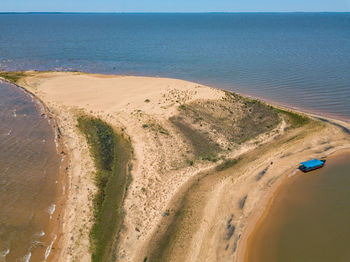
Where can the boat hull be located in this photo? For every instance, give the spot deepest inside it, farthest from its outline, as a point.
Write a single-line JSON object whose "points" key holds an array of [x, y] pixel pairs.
{"points": [[303, 169]]}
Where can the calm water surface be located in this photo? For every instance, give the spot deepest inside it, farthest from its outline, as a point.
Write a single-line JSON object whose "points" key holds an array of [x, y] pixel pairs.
{"points": [[300, 59], [308, 220], [29, 168]]}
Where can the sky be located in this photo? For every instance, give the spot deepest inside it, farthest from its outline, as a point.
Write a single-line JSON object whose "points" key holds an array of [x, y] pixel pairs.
{"points": [[174, 5]]}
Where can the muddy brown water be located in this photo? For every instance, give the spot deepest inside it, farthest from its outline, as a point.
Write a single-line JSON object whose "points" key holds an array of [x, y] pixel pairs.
{"points": [[29, 168], [308, 220]]}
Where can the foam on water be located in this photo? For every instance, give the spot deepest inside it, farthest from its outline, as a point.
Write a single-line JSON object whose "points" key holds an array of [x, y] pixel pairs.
{"points": [[56, 142], [293, 173], [49, 248], [5, 253], [51, 209], [27, 257], [41, 233]]}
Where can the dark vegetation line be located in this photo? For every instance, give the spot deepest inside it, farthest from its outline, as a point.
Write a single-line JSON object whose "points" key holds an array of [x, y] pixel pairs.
{"points": [[294, 119], [111, 153], [343, 128]]}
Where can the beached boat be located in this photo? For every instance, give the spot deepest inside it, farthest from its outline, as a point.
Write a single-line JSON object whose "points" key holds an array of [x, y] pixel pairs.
{"points": [[311, 165]]}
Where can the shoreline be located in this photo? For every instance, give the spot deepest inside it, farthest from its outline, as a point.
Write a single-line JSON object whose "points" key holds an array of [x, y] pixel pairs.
{"points": [[303, 110], [57, 217], [53, 230], [59, 246], [266, 202]]}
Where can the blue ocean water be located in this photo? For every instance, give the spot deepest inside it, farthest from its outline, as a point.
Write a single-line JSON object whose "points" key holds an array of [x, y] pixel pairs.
{"points": [[299, 59]]}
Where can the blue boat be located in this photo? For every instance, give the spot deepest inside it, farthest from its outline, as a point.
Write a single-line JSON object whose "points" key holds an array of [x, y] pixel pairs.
{"points": [[311, 165]]}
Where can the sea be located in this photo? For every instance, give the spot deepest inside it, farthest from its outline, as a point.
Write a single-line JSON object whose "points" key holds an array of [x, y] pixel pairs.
{"points": [[296, 59], [301, 60]]}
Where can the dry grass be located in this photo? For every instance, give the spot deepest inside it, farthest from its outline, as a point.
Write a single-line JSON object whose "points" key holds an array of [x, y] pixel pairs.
{"points": [[213, 126]]}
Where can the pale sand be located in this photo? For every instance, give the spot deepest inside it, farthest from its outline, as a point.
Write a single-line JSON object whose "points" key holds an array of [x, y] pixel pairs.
{"points": [[160, 172]]}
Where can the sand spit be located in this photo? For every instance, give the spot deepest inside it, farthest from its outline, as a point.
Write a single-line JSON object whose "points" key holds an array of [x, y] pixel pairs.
{"points": [[178, 144]]}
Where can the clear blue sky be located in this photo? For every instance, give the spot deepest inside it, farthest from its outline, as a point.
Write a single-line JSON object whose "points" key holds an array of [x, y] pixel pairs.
{"points": [[174, 5]]}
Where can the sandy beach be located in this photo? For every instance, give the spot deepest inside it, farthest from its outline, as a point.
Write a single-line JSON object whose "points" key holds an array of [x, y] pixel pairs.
{"points": [[203, 208]]}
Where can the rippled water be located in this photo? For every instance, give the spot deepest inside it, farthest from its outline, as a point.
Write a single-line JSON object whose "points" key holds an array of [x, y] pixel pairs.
{"points": [[29, 168], [308, 220], [300, 59]]}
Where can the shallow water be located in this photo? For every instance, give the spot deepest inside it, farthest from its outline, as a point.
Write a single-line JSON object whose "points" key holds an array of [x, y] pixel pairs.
{"points": [[300, 59], [29, 168], [308, 220]]}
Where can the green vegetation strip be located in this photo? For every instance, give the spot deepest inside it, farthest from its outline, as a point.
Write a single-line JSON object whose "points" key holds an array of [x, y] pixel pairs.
{"points": [[295, 120], [111, 153], [12, 77]]}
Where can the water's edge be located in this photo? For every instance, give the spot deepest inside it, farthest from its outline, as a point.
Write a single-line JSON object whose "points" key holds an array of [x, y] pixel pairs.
{"points": [[54, 228], [267, 202]]}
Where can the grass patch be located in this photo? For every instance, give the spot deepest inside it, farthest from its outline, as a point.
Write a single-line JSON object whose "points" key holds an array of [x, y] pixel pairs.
{"points": [[111, 154], [190, 162], [204, 148], [294, 119], [227, 164], [234, 117], [157, 128], [13, 77]]}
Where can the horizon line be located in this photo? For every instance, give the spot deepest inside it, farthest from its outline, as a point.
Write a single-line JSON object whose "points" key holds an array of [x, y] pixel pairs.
{"points": [[165, 12]]}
